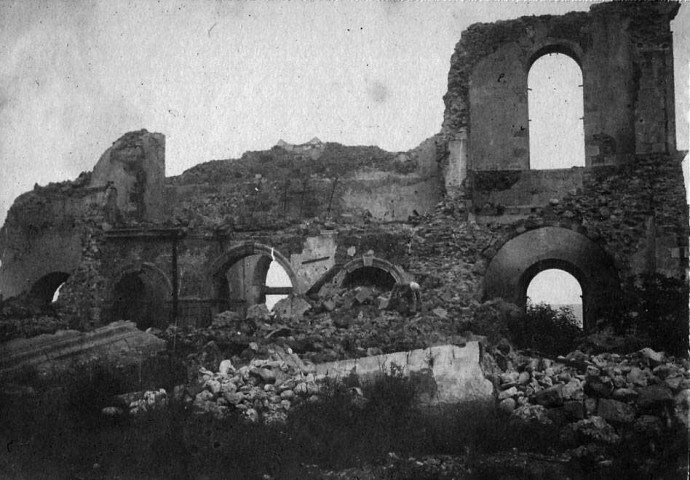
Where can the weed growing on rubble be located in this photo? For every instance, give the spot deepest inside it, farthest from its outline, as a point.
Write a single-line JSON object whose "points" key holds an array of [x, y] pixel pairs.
{"points": [[344, 429], [649, 309], [545, 329]]}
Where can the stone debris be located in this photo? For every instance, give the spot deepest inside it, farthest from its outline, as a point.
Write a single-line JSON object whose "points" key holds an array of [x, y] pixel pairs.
{"points": [[140, 402], [597, 399], [264, 389]]}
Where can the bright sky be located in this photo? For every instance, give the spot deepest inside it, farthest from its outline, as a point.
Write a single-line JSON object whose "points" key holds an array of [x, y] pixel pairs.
{"points": [[276, 277], [219, 77], [556, 141], [549, 281], [558, 288]]}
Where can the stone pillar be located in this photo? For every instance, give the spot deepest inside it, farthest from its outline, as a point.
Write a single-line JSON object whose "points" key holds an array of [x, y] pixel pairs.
{"points": [[457, 163]]}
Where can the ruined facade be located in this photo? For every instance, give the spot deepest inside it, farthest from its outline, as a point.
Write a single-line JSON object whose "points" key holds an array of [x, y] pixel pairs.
{"points": [[463, 209]]}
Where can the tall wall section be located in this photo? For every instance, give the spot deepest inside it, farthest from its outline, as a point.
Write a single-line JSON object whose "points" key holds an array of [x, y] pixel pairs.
{"points": [[629, 199]]}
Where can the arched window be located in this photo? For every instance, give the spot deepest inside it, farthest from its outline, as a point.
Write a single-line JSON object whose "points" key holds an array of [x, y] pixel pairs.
{"points": [[254, 279], [556, 112], [556, 288], [276, 279], [45, 290]]}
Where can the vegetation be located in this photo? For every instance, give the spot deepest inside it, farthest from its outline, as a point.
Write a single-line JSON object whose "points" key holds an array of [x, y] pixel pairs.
{"points": [[550, 331], [649, 309], [60, 433]]}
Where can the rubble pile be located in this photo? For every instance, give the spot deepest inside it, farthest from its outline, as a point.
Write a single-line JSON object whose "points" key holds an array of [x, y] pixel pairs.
{"points": [[264, 389], [348, 323], [598, 401]]}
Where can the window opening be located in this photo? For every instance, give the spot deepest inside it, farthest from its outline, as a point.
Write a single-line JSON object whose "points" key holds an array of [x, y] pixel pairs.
{"points": [[557, 288], [255, 279], [277, 278], [556, 113]]}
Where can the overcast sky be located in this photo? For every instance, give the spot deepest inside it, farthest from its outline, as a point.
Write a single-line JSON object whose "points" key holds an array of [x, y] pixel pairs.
{"points": [[219, 78]]}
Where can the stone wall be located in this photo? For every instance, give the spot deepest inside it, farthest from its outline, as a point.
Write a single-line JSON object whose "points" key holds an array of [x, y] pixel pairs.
{"points": [[455, 214], [625, 52], [281, 187]]}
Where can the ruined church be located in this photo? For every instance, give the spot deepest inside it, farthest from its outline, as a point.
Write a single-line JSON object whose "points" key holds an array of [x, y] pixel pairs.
{"points": [[466, 215]]}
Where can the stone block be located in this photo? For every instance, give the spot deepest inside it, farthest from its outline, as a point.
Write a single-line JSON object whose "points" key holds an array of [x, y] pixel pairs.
{"points": [[453, 372], [550, 397], [654, 396], [614, 411]]}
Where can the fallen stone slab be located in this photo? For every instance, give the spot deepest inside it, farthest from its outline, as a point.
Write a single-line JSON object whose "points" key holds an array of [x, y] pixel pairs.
{"points": [[119, 341], [445, 374]]}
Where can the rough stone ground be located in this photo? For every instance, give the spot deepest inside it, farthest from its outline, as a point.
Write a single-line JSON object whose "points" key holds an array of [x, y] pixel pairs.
{"points": [[598, 401], [261, 365]]}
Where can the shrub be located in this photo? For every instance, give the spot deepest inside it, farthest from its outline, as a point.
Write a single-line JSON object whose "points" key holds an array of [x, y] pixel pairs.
{"points": [[545, 329], [88, 389], [655, 307]]}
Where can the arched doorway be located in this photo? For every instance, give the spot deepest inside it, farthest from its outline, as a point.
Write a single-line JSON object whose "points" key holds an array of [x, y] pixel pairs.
{"points": [[558, 289], [519, 260], [142, 296], [556, 112]]}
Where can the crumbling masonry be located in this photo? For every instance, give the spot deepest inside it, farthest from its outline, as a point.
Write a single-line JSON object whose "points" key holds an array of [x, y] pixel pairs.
{"points": [[463, 209]]}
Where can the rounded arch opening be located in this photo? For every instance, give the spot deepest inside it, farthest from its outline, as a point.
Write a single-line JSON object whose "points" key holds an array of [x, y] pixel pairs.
{"points": [[45, 290], [369, 277], [520, 259], [364, 271], [276, 277], [252, 274], [556, 48], [558, 289], [142, 296], [556, 110]]}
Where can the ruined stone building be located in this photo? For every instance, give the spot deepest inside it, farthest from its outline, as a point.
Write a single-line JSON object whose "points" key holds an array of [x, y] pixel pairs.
{"points": [[465, 214]]}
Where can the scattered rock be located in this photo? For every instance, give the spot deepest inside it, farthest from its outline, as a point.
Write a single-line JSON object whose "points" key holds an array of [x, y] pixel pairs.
{"points": [[112, 412], [258, 313], [532, 413], [291, 308], [226, 367], [654, 396], [508, 393], [507, 405], [614, 411], [654, 358], [550, 397], [596, 429]]}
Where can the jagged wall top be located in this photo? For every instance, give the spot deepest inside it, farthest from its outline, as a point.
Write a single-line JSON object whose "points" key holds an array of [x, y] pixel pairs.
{"points": [[625, 52]]}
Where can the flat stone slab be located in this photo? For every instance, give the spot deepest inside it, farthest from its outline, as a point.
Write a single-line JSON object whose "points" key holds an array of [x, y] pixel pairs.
{"points": [[117, 341], [447, 374]]}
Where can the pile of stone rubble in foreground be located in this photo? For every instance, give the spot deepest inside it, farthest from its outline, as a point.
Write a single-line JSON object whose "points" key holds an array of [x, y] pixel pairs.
{"points": [[263, 389], [596, 401]]}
